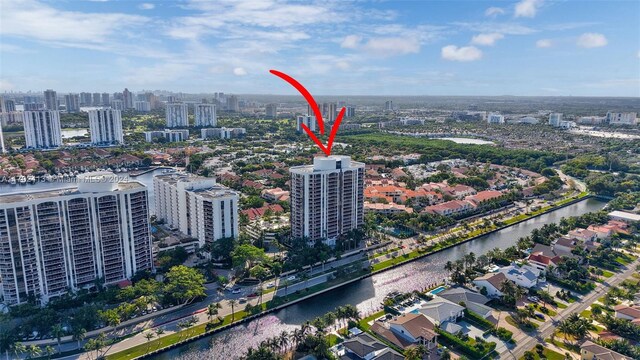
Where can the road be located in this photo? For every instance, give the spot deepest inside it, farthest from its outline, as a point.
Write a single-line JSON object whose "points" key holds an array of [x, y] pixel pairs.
{"points": [[526, 342]]}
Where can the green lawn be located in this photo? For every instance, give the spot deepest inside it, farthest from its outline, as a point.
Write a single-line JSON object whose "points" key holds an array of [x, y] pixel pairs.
{"points": [[364, 322], [560, 305], [531, 327], [560, 342], [547, 354], [169, 339], [334, 339]]}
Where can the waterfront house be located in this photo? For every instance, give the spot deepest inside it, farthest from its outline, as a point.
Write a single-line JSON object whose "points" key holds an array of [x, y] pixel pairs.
{"points": [[492, 283], [366, 347], [625, 216], [483, 197], [415, 329], [592, 351], [583, 235], [440, 311], [386, 209], [525, 276]]}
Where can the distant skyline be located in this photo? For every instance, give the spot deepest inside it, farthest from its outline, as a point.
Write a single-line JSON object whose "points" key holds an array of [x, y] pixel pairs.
{"points": [[466, 48]]}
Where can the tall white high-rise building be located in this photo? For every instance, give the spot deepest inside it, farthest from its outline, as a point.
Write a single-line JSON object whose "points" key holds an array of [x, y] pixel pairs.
{"points": [[232, 104], [142, 106], [85, 99], [60, 240], [177, 115], [97, 99], [332, 113], [42, 129], [555, 119], [117, 104], [205, 115], [105, 99], [197, 206], [308, 120], [105, 126], [495, 119], [72, 103], [2, 148], [50, 100], [327, 198]]}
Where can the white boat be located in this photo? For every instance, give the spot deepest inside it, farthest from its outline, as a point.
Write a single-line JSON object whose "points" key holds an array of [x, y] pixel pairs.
{"points": [[31, 179], [48, 178], [22, 180], [12, 181]]}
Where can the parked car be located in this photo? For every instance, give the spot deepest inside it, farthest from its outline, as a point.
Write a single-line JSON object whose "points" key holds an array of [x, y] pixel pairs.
{"points": [[539, 316], [270, 285], [291, 278], [533, 298], [242, 300], [235, 291], [252, 295]]}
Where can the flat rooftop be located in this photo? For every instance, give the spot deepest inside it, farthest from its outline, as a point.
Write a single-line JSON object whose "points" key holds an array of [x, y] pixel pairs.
{"points": [[70, 191]]}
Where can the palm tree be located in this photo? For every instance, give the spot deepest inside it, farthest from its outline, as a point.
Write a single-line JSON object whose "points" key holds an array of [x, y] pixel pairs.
{"points": [[233, 303], [469, 259], [159, 331], [58, 332], [33, 351], [79, 334], [212, 310], [148, 335], [283, 340], [48, 351], [6, 341], [565, 327], [18, 348]]}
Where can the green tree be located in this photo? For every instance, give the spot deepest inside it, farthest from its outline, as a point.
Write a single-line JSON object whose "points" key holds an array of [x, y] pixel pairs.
{"points": [[183, 285], [58, 332]]}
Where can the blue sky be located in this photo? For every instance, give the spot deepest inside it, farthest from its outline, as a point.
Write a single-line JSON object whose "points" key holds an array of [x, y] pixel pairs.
{"points": [[527, 47]]}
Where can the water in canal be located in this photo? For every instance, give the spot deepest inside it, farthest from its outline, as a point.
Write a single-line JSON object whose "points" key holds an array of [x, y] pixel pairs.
{"points": [[366, 294]]}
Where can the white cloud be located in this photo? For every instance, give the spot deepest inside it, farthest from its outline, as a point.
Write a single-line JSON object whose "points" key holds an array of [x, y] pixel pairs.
{"points": [[527, 8], [465, 53], [146, 6], [239, 71], [486, 39], [591, 40], [638, 54], [389, 46], [494, 11], [493, 27], [33, 20], [5, 85], [351, 42], [544, 43]]}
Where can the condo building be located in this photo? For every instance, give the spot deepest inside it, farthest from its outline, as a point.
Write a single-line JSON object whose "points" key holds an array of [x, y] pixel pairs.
{"points": [[327, 198], [495, 119], [72, 103], [555, 119], [55, 241], [42, 129], [271, 111], [2, 148], [105, 126], [177, 115], [196, 206], [222, 133], [167, 135], [142, 106], [51, 99], [205, 115], [308, 120]]}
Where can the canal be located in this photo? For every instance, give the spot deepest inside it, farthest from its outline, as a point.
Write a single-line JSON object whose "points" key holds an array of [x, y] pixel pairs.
{"points": [[366, 294]]}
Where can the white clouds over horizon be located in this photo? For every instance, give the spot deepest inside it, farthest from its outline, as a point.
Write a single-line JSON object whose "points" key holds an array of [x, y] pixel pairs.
{"points": [[527, 8], [465, 53], [494, 11], [544, 43], [591, 40], [486, 39]]}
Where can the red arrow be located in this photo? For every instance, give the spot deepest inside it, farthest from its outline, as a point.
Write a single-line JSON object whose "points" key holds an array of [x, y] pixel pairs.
{"points": [[314, 106]]}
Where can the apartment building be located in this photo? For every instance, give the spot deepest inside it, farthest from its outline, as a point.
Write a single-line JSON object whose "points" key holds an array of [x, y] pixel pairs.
{"points": [[105, 126], [222, 133], [42, 129], [327, 198], [308, 121], [196, 206], [177, 115], [60, 240], [167, 135], [205, 115]]}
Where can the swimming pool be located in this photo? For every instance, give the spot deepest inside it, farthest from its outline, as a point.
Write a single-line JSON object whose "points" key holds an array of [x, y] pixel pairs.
{"points": [[437, 290]]}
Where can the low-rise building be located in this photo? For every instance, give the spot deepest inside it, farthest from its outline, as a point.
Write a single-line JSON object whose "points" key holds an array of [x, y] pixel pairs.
{"points": [[276, 194], [627, 312], [492, 283], [166, 135], [525, 276], [440, 310], [415, 329], [387, 209], [366, 347], [592, 351], [625, 216]]}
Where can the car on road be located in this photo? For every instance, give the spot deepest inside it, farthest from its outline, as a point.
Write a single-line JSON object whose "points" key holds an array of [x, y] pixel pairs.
{"points": [[291, 278], [533, 298], [538, 316], [235, 291], [242, 300], [252, 295], [270, 285]]}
